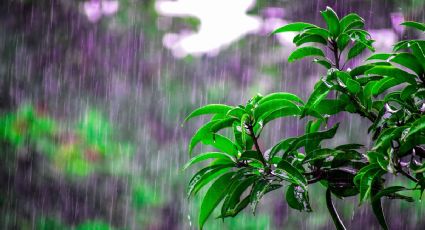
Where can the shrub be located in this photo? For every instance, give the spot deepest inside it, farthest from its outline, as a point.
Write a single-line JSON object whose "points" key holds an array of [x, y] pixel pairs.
{"points": [[388, 89]]}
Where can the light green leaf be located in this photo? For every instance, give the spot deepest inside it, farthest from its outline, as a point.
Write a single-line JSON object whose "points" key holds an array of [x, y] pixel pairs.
{"points": [[305, 52], [206, 156], [214, 195], [222, 143], [293, 27], [357, 49], [268, 107], [332, 21], [209, 109], [348, 19], [281, 95]]}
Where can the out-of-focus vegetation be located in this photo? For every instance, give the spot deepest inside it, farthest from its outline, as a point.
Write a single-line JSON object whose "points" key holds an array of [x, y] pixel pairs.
{"points": [[108, 100]]}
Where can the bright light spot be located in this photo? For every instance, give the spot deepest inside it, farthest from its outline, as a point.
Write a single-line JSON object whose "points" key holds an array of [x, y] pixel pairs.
{"points": [[95, 9], [221, 23]]}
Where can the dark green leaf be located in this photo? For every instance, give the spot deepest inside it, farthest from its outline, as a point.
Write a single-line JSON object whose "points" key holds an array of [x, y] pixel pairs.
{"points": [[297, 198], [417, 126], [377, 206], [258, 191], [293, 173], [251, 155], [321, 154], [339, 225], [312, 140], [416, 25]]}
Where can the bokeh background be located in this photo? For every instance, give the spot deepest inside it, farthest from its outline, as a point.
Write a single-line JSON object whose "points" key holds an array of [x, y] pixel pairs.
{"points": [[93, 94]]}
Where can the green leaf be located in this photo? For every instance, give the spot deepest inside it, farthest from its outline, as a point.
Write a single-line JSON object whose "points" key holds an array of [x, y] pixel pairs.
{"points": [[297, 198], [394, 77], [204, 176], [321, 154], [312, 140], [236, 113], [257, 192], [313, 125], [377, 206], [348, 19], [321, 91], [209, 109], [409, 61], [305, 52], [417, 126], [352, 85], [293, 173], [323, 62], [330, 106], [282, 145], [221, 124], [293, 27], [332, 21], [268, 107], [317, 31], [415, 25], [214, 195], [418, 50], [380, 56], [389, 191], [230, 204], [339, 225], [408, 92], [200, 134], [308, 38], [282, 112], [222, 143], [280, 96], [357, 49], [367, 179], [342, 41], [251, 155], [349, 146], [206, 156]]}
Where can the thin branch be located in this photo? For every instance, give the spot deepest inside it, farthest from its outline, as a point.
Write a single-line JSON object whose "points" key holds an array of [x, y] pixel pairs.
{"points": [[257, 146]]}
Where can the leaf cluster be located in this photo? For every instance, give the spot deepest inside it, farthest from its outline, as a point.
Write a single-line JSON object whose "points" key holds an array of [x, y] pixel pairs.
{"points": [[387, 88]]}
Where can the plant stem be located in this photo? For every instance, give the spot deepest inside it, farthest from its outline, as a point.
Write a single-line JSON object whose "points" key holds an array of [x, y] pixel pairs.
{"points": [[257, 146], [360, 108], [335, 217]]}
